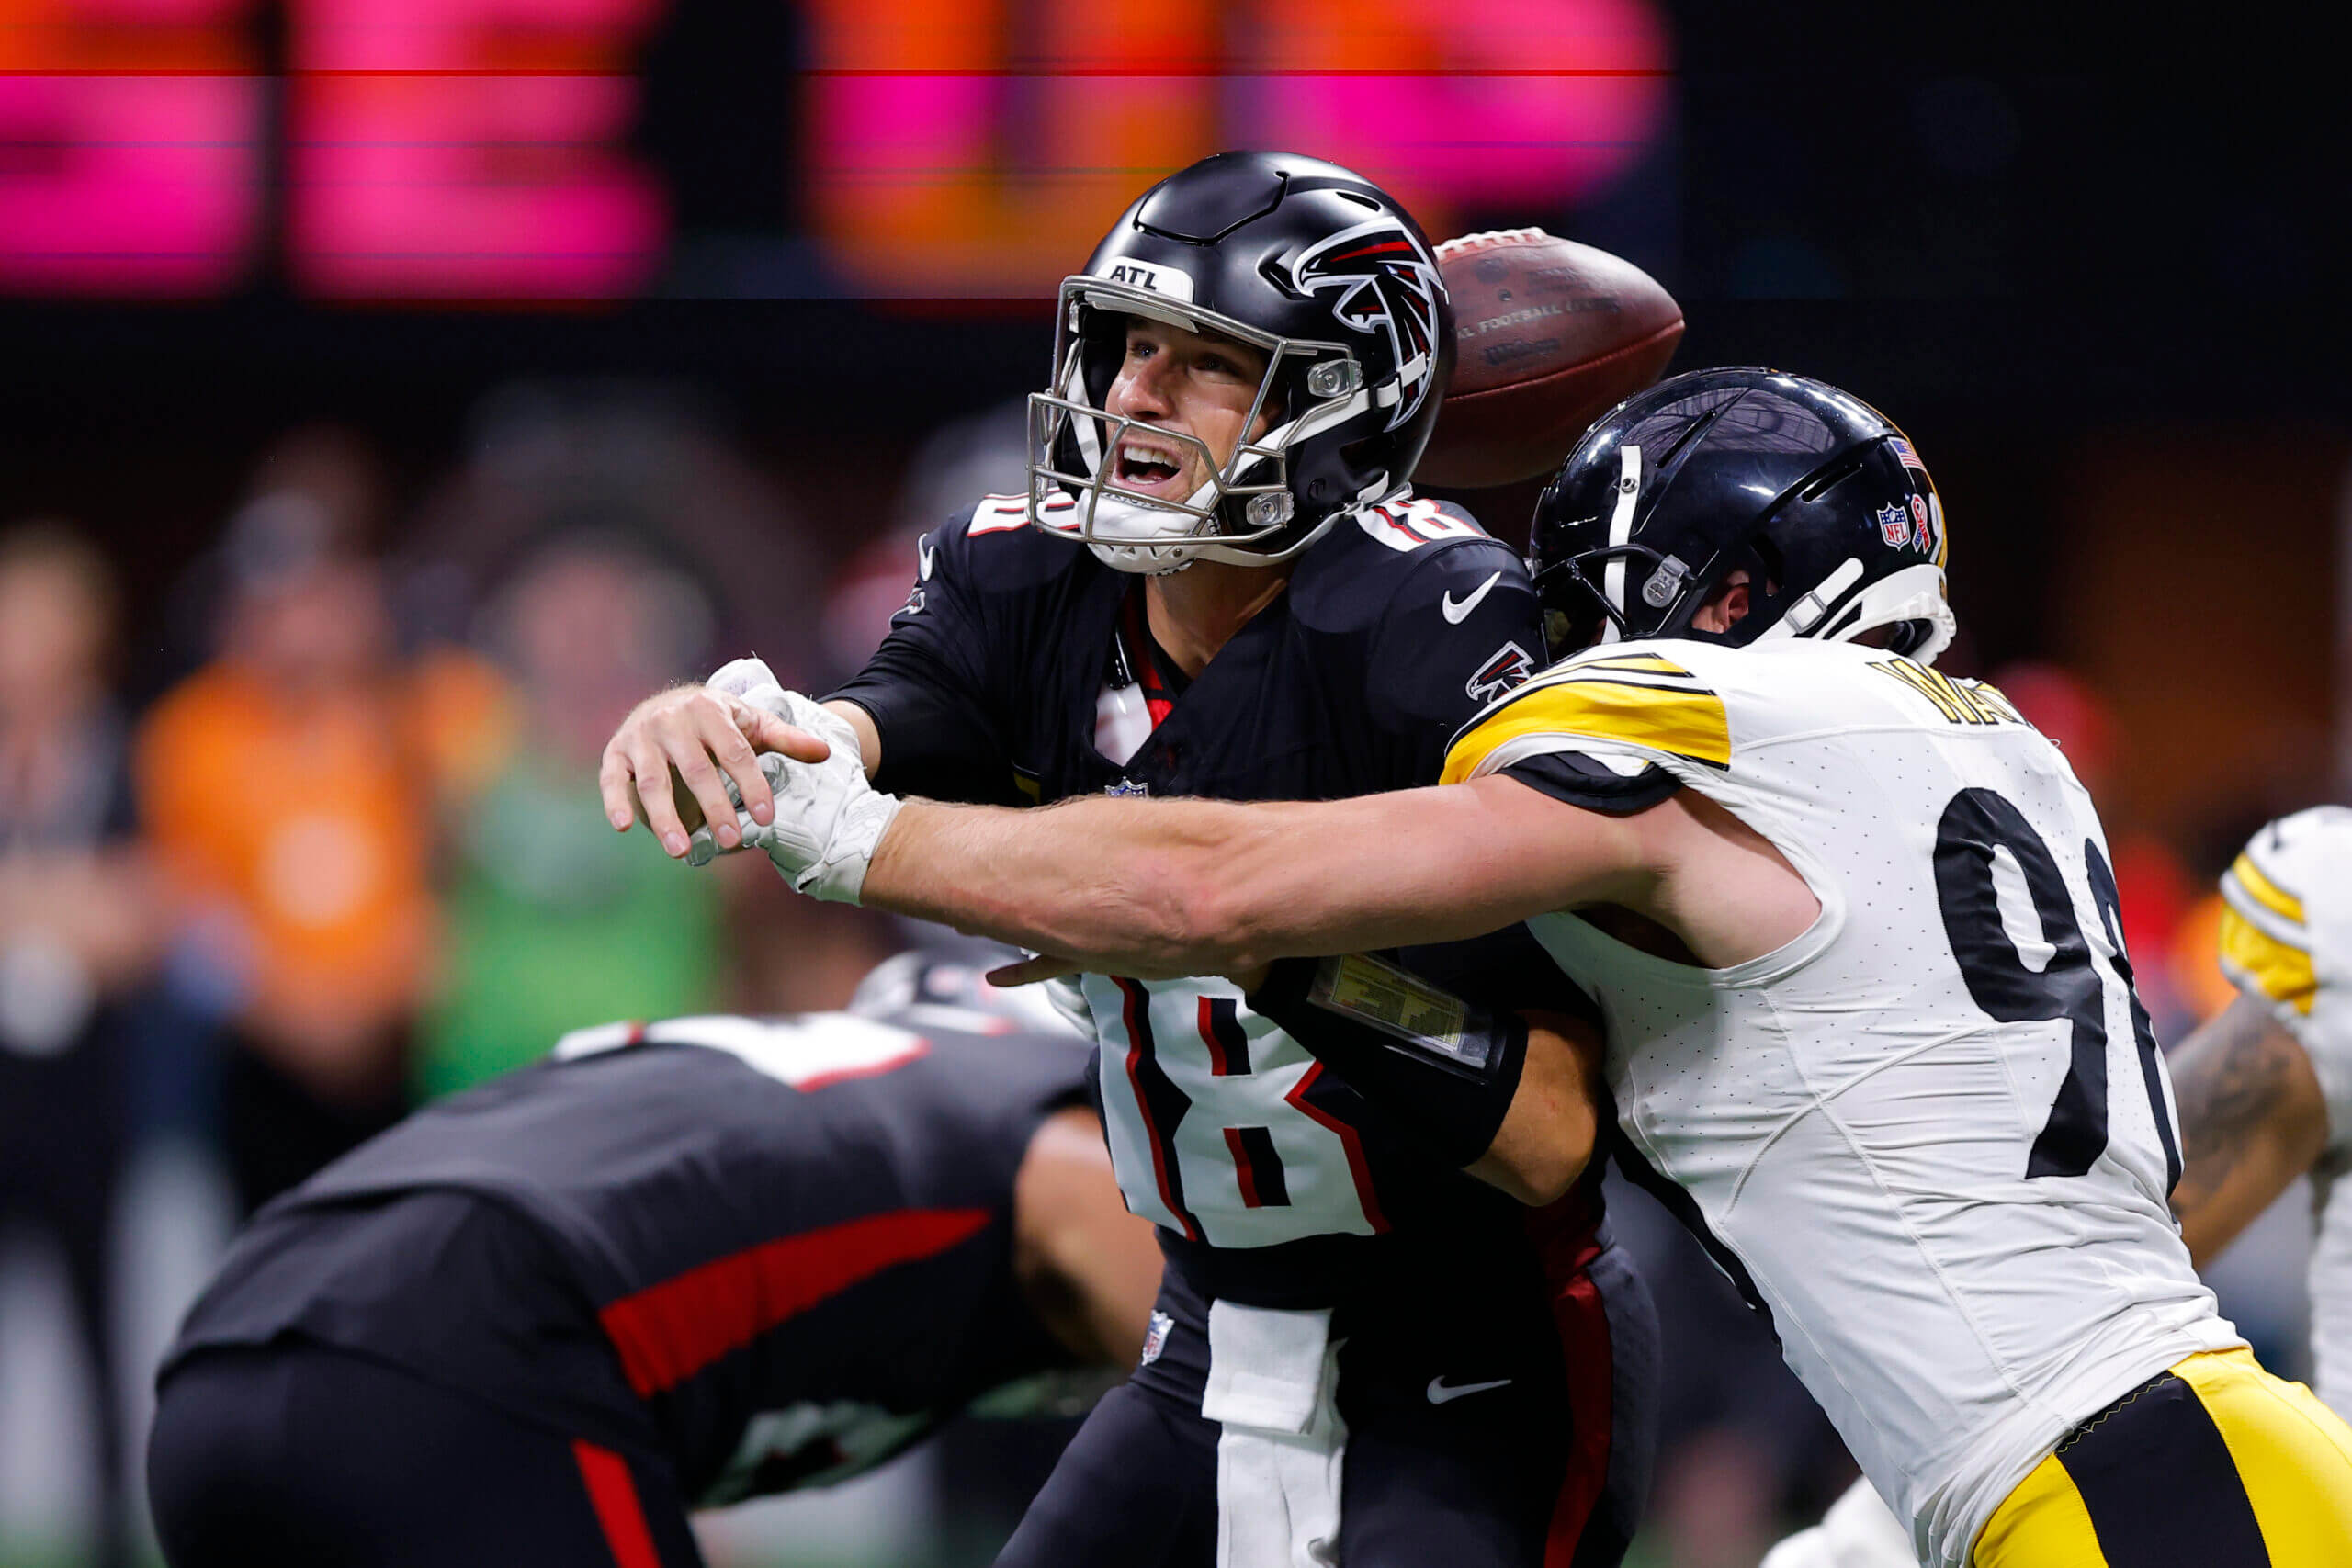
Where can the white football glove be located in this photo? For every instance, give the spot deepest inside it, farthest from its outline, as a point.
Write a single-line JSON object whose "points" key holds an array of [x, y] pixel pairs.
{"points": [[737, 678], [827, 818], [740, 677]]}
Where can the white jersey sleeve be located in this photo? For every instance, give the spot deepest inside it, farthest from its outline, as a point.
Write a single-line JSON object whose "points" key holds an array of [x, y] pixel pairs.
{"points": [[1930, 1137], [2286, 939]]}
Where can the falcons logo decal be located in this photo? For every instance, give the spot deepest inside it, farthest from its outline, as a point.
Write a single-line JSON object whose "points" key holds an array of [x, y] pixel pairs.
{"points": [[1384, 281]]}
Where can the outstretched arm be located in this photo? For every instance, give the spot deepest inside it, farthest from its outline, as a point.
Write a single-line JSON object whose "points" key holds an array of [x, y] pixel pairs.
{"points": [[1167, 888], [2252, 1120]]}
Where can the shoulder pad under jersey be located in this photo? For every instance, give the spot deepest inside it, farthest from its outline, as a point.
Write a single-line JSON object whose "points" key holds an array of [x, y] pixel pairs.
{"points": [[993, 548], [1421, 549]]}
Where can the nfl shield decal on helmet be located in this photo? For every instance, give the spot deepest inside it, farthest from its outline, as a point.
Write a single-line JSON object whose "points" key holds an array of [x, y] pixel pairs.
{"points": [[1383, 278], [1510, 667], [1893, 524]]}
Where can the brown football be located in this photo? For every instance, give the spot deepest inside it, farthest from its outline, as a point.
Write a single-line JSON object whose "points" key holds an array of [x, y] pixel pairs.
{"points": [[1548, 335]]}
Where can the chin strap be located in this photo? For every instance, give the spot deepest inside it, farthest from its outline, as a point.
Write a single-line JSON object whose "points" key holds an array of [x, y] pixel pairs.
{"points": [[1135, 544]]}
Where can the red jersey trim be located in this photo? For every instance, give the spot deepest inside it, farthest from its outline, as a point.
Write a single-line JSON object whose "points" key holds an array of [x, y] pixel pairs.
{"points": [[667, 1333], [1348, 1140], [611, 1493]]}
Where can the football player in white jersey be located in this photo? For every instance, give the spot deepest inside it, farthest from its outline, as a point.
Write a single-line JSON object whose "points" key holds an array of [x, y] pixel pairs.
{"points": [[2264, 1093], [1852, 928], [2266, 1087]]}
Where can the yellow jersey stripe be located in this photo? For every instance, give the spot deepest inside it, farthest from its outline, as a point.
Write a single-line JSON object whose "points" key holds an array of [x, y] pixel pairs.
{"points": [[1630, 663], [1679, 721], [2255, 960], [2264, 892]]}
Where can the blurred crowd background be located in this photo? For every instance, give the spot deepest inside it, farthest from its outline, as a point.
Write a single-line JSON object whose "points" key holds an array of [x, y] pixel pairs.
{"points": [[393, 393]]}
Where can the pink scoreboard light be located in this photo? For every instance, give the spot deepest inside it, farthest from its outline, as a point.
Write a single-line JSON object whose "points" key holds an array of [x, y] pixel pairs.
{"points": [[479, 150]]}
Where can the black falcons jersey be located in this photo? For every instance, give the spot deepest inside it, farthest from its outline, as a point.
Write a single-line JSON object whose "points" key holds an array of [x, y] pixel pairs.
{"points": [[1002, 680], [787, 1241]]}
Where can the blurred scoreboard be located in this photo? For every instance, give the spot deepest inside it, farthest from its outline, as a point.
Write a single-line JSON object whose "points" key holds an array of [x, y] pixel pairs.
{"points": [[487, 150]]}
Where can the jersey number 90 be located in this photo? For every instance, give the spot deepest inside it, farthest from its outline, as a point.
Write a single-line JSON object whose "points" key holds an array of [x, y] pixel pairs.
{"points": [[2069, 985]]}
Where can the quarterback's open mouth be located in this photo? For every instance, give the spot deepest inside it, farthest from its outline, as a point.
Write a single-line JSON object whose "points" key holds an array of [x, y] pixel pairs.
{"points": [[1146, 467]]}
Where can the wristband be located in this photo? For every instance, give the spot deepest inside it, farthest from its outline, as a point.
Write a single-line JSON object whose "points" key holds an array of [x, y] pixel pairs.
{"points": [[1443, 1067]]}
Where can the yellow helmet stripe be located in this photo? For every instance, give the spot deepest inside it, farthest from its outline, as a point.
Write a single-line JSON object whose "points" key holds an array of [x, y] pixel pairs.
{"points": [[2264, 892], [2256, 960], [1684, 721]]}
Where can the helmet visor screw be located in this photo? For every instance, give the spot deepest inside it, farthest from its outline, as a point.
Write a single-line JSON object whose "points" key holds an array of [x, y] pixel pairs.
{"points": [[1267, 511], [1335, 379]]}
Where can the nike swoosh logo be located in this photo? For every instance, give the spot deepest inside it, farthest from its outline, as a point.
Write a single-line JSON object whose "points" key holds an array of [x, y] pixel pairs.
{"points": [[1440, 1392], [923, 552], [1455, 613]]}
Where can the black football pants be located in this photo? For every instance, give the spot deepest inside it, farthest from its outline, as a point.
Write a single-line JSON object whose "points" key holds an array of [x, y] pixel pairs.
{"points": [[296, 1456], [1489, 1435]]}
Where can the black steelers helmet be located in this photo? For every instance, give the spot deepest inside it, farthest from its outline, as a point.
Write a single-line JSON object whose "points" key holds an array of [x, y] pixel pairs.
{"points": [[1817, 495], [1312, 264]]}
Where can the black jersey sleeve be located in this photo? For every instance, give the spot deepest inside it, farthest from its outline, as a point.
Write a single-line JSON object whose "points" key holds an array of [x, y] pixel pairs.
{"points": [[1461, 630], [1505, 969], [930, 687]]}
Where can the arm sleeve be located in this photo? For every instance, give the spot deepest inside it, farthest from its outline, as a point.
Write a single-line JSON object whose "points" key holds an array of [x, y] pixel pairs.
{"points": [[1442, 1065], [1505, 970], [929, 686], [1461, 630]]}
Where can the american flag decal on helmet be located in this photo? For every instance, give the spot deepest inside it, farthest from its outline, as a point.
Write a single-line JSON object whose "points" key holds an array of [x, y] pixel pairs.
{"points": [[1385, 279]]}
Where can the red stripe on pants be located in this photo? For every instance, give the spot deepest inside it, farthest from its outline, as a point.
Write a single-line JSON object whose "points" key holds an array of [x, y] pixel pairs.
{"points": [[613, 1495], [1564, 1234]]}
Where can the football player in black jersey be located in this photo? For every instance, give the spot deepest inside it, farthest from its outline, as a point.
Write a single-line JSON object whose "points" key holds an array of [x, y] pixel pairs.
{"points": [[1219, 583], [673, 1266]]}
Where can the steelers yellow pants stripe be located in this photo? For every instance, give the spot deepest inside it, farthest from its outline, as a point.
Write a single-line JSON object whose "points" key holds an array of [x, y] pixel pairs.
{"points": [[2215, 1464]]}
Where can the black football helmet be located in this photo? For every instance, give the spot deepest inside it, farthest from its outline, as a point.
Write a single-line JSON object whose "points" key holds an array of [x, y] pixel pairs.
{"points": [[1314, 266], [1817, 495]]}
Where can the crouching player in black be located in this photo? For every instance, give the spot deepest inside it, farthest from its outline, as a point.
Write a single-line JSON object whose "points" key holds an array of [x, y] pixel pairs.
{"points": [[673, 1266]]}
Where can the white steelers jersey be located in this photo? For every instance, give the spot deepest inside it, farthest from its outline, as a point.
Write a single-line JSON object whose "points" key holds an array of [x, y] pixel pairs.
{"points": [[1932, 1136], [2287, 937]]}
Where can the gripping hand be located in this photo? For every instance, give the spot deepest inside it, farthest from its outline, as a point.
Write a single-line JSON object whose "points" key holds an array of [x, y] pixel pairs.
{"points": [[827, 818]]}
